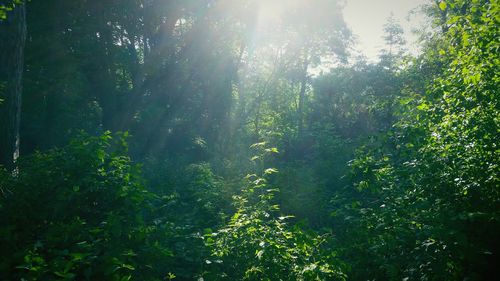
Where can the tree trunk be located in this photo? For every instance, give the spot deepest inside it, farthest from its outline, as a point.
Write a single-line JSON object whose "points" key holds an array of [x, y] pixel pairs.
{"points": [[12, 38], [302, 96]]}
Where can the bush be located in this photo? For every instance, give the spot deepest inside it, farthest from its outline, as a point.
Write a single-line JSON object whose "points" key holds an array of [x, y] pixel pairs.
{"points": [[258, 244], [80, 213]]}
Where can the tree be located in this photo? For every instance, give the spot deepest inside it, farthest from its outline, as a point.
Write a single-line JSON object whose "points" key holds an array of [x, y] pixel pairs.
{"points": [[424, 198], [12, 36], [394, 40], [303, 35]]}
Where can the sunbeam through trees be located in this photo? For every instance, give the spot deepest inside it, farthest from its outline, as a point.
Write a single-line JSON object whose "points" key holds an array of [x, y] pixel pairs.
{"points": [[247, 140]]}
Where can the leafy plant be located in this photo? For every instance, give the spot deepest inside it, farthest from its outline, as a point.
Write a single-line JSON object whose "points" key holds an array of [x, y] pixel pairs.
{"points": [[259, 244], [81, 213], [8, 6], [424, 201]]}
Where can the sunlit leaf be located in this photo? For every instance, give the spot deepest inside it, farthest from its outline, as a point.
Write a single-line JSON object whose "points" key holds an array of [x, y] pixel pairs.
{"points": [[270, 171], [442, 5]]}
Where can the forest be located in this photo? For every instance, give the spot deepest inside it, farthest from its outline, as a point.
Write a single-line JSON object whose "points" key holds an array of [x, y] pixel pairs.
{"points": [[231, 140]]}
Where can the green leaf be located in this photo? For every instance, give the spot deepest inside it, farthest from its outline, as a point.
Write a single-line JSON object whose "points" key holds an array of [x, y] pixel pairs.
{"points": [[272, 150], [270, 171], [259, 144], [442, 5], [423, 107], [259, 254], [128, 266]]}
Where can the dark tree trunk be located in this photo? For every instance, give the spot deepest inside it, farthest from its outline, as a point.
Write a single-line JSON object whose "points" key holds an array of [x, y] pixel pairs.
{"points": [[12, 40]]}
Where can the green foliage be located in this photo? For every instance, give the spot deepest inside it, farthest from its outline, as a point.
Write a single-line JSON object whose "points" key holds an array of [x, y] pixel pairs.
{"points": [[389, 169], [198, 199], [258, 244], [395, 42], [81, 213], [426, 199], [442, 5], [8, 6]]}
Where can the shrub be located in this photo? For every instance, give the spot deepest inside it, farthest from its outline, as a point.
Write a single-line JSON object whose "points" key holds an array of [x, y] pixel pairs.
{"points": [[80, 213]]}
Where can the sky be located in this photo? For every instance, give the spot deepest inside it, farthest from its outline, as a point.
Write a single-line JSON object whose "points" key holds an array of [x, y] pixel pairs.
{"points": [[366, 18]]}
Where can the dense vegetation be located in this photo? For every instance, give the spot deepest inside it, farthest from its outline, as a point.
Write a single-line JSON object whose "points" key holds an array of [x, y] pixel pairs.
{"points": [[197, 140]]}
